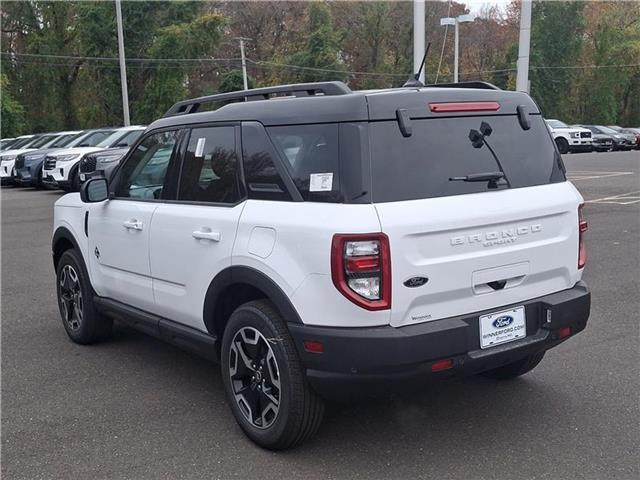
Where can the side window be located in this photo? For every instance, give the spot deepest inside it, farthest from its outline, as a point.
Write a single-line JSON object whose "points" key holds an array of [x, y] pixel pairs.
{"points": [[312, 157], [143, 174], [210, 167], [260, 172]]}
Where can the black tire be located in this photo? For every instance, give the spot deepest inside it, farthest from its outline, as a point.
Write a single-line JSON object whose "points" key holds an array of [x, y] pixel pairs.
{"points": [[82, 321], [515, 369], [299, 410], [75, 180], [563, 145], [39, 185]]}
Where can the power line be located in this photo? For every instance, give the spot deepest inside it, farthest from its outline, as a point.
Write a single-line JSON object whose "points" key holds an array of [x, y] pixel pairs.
{"points": [[265, 63], [115, 59]]}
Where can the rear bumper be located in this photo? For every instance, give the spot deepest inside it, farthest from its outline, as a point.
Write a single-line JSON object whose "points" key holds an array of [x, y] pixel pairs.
{"points": [[388, 357]]}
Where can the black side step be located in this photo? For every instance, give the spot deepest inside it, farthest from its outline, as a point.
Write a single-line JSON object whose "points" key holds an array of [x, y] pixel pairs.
{"points": [[181, 336]]}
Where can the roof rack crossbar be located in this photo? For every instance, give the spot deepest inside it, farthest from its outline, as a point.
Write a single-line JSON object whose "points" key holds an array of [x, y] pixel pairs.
{"points": [[473, 84], [295, 90]]}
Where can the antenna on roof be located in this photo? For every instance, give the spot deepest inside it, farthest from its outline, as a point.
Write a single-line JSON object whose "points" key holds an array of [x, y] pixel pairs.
{"points": [[414, 78]]}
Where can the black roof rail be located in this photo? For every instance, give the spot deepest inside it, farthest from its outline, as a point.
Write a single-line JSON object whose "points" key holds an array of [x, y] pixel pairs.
{"points": [[473, 84], [294, 90]]}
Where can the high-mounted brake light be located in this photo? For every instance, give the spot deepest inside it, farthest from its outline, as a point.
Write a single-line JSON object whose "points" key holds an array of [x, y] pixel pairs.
{"points": [[361, 269], [450, 107], [582, 228]]}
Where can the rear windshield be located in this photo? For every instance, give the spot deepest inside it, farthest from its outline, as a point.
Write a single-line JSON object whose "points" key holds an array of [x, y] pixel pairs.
{"points": [[421, 166]]}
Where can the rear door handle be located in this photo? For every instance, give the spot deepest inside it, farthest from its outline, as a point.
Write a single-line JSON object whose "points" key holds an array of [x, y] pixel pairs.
{"points": [[132, 224], [205, 233]]}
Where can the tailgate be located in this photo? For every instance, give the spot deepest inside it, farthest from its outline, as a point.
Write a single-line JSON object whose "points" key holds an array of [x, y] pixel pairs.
{"points": [[480, 251]]}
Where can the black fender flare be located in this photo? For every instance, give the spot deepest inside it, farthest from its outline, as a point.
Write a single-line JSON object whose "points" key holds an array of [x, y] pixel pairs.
{"points": [[62, 233], [240, 274]]}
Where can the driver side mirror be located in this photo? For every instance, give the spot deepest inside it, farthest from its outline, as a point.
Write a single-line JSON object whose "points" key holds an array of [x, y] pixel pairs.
{"points": [[94, 190]]}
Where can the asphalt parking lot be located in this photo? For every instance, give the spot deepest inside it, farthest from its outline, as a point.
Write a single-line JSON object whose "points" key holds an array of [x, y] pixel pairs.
{"points": [[137, 408]]}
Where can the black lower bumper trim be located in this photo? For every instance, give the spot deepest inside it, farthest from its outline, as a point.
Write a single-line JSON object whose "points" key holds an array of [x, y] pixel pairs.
{"points": [[388, 355]]}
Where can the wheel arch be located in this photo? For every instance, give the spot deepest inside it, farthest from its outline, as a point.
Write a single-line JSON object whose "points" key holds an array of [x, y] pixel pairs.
{"points": [[62, 241], [237, 285]]}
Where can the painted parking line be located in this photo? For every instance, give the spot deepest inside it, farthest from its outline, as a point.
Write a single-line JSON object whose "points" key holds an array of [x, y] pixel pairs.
{"points": [[589, 175], [622, 199]]}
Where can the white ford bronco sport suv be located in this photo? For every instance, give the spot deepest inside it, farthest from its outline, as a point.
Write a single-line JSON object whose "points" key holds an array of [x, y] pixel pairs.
{"points": [[314, 240]]}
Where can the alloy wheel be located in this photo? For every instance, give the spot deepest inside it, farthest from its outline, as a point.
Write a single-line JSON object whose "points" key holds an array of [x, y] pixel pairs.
{"points": [[70, 295], [255, 377]]}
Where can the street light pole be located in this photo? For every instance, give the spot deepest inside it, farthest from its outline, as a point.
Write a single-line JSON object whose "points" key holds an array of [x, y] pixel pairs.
{"points": [[522, 75], [244, 62], [455, 52], [123, 67], [456, 21]]}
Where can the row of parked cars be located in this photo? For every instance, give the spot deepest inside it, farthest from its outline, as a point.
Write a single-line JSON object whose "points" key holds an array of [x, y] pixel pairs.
{"points": [[64, 159], [588, 138]]}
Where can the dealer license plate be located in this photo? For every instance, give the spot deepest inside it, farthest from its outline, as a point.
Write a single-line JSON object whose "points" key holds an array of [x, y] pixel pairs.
{"points": [[502, 327]]}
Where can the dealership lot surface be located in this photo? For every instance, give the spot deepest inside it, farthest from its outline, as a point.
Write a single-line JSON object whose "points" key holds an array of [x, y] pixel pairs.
{"points": [[137, 408]]}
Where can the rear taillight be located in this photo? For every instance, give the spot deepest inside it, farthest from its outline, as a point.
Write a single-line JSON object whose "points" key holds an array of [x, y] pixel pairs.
{"points": [[361, 269], [582, 228]]}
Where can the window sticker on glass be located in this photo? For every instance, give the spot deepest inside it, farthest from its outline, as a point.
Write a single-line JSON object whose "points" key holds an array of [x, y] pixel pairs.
{"points": [[200, 147], [321, 182]]}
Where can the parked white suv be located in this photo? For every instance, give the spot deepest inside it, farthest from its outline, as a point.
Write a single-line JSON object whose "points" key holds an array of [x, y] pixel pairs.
{"points": [[332, 241], [570, 139], [24, 144], [61, 167]]}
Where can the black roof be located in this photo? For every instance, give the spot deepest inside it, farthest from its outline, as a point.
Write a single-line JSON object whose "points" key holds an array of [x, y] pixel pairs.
{"points": [[326, 102]]}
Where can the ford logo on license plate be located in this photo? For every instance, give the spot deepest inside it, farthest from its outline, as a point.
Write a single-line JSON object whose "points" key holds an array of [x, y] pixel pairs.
{"points": [[503, 321]]}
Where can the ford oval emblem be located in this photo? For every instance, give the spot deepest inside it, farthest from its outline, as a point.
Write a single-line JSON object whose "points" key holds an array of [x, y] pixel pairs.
{"points": [[503, 321], [414, 282]]}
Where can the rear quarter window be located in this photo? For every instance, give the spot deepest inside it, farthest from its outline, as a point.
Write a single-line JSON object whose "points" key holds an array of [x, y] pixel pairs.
{"points": [[312, 158], [420, 166]]}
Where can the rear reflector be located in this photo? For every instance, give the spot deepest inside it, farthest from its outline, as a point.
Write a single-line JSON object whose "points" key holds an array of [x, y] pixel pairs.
{"points": [[564, 332], [313, 346], [582, 228], [447, 107], [444, 364]]}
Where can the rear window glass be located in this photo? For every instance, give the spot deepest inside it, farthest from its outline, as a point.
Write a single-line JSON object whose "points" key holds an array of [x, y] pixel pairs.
{"points": [[421, 166], [311, 154]]}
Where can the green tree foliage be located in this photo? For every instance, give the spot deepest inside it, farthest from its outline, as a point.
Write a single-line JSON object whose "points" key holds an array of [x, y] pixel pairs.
{"points": [[556, 40], [322, 49], [233, 81], [70, 76], [11, 112], [191, 39]]}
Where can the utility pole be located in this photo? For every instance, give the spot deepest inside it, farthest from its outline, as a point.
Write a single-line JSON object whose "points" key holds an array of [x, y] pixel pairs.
{"points": [[244, 62], [418, 37], [522, 76], [123, 67]]}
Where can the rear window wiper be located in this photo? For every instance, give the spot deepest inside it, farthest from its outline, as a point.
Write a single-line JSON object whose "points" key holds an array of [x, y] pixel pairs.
{"points": [[491, 177], [478, 139]]}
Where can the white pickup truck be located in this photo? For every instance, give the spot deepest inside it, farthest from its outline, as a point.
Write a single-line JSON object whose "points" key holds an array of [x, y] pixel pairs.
{"points": [[570, 139]]}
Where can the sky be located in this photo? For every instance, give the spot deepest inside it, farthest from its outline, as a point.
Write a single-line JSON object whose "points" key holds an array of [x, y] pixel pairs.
{"points": [[476, 5]]}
